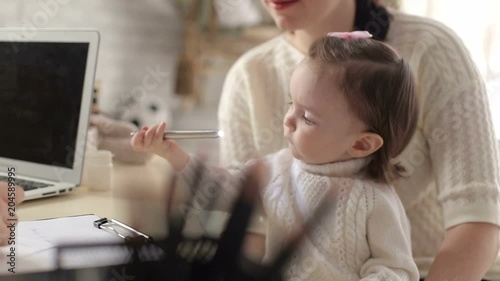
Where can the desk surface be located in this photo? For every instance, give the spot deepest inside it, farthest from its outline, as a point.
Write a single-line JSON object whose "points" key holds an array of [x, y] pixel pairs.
{"points": [[145, 183]]}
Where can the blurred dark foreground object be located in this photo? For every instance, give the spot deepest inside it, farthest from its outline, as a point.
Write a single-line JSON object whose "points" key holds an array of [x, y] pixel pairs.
{"points": [[180, 258]]}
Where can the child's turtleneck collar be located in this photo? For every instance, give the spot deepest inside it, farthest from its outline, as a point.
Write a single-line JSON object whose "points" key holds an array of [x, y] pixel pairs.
{"points": [[347, 168]]}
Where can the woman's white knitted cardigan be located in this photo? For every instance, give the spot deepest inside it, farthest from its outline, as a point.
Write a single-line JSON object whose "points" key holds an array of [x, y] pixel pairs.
{"points": [[452, 162]]}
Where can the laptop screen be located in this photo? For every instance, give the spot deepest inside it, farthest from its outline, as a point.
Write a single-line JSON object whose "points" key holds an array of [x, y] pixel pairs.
{"points": [[41, 87]]}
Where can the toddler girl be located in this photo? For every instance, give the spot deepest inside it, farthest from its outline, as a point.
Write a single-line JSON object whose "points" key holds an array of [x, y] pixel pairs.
{"points": [[352, 108]]}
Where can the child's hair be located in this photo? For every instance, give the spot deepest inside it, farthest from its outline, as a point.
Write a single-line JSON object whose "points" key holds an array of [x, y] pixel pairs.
{"points": [[380, 89]]}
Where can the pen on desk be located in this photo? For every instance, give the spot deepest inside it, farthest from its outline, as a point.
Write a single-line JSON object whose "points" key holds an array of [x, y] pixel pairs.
{"points": [[191, 134]]}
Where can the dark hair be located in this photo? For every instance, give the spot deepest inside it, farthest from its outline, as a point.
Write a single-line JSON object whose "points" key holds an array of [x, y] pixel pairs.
{"points": [[380, 89], [372, 17]]}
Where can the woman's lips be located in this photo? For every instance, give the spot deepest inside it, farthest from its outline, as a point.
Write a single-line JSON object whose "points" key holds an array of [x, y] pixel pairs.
{"points": [[281, 5]]}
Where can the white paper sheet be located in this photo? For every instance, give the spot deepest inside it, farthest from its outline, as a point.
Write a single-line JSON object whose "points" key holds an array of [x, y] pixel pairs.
{"points": [[36, 243]]}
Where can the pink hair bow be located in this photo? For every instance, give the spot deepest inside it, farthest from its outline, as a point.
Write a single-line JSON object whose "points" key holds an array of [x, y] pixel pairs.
{"points": [[351, 35]]}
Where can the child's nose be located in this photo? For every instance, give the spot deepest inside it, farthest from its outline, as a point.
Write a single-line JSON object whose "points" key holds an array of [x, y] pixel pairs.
{"points": [[289, 122]]}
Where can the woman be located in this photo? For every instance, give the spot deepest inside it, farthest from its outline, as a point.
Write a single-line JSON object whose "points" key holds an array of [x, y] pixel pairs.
{"points": [[450, 192]]}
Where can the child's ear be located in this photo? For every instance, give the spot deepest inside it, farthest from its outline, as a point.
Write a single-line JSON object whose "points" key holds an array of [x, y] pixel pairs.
{"points": [[365, 144]]}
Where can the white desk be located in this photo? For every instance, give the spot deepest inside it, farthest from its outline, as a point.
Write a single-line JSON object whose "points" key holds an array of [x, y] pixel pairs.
{"points": [[146, 184]]}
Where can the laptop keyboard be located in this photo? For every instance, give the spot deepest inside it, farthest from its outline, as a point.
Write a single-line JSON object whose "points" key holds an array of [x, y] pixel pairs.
{"points": [[26, 184]]}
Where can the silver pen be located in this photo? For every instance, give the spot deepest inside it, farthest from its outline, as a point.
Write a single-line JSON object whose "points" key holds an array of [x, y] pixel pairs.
{"points": [[191, 134]]}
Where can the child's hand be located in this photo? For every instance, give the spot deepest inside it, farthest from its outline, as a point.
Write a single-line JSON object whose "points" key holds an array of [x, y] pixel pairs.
{"points": [[151, 140]]}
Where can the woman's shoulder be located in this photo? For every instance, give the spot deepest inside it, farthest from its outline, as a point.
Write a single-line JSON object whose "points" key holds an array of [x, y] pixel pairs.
{"points": [[421, 32], [429, 43], [405, 22]]}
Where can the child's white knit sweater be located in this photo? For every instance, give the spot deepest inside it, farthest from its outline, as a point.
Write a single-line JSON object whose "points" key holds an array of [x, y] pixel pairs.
{"points": [[365, 234]]}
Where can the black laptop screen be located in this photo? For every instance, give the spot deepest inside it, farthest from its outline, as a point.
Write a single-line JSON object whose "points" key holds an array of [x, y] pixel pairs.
{"points": [[41, 87]]}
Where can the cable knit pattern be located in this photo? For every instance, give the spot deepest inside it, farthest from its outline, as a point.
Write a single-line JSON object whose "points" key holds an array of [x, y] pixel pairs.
{"points": [[452, 162], [364, 235]]}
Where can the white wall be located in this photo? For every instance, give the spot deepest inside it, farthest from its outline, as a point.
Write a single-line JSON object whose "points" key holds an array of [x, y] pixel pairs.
{"points": [[135, 36]]}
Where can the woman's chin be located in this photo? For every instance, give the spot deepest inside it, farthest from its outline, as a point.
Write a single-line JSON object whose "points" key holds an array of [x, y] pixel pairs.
{"points": [[284, 23]]}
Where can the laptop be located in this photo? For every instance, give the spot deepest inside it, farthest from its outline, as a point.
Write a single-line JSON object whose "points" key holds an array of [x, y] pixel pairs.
{"points": [[46, 89]]}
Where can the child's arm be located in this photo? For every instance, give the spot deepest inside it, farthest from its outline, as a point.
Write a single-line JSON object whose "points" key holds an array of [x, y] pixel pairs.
{"points": [[217, 188], [151, 140], [388, 234], [212, 188]]}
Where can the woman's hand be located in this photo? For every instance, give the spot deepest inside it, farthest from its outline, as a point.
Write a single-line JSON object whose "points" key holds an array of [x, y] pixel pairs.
{"points": [[151, 140], [6, 196]]}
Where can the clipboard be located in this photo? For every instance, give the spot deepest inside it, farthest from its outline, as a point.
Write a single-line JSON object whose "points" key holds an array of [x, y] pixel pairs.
{"points": [[42, 244], [122, 230], [133, 246]]}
